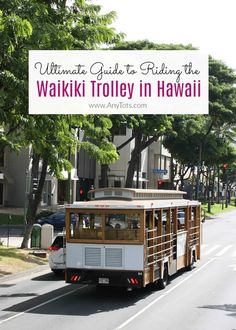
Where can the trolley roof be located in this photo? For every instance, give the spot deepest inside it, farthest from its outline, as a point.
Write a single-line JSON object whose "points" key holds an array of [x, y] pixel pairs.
{"points": [[125, 198], [134, 194]]}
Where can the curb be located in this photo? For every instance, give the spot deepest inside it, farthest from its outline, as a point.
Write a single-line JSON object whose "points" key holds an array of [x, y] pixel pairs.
{"points": [[29, 272]]}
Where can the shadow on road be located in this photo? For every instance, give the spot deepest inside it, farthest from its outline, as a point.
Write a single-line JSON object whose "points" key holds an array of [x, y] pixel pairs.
{"points": [[50, 277], [80, 301], [18, 295], [226, 307]]}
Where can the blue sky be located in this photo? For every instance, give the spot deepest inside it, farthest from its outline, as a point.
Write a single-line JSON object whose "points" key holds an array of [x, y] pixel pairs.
{"points": [[207, 24]]}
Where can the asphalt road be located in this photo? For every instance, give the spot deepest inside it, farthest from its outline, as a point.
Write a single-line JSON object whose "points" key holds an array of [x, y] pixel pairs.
{"points": [[203, 299]]}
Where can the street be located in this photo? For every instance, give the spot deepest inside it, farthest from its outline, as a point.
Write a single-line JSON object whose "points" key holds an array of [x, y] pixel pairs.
{"points": [[202, 299]]}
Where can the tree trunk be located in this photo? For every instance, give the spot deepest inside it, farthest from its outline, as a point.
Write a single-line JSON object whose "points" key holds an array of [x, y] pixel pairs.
{"points": [[105, 167], [172, 173], [141, 143], [104, 175], [198, 171], [131, 170], [34, 198], [134, 161]]}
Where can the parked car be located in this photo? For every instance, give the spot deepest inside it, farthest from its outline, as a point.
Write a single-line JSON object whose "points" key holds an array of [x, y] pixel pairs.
{"points": [[56, 219], [57, 255]]}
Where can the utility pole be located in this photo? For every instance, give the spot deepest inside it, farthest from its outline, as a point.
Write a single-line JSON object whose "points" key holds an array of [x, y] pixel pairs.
{"points": [[69, 194]]}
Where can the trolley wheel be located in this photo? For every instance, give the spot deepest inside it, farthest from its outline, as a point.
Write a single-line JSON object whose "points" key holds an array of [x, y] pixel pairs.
{"points": [[189, 267], [162, 282]]}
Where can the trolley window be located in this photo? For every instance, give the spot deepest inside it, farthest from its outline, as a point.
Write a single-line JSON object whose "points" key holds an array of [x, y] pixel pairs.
{"points": [[86, 226], [122, 226]]}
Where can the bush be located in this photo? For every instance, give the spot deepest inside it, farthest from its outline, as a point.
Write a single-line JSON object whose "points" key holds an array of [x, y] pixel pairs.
{"points": [[15, 219]]}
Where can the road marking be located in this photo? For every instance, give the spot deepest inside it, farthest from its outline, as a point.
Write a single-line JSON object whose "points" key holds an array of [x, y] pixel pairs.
{"points": [[42, 304], [233, 266], [163, 295], [234, 254], [211, 250], [223, 251]]}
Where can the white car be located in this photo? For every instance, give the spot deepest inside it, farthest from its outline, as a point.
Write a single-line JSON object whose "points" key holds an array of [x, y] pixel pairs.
{"points": [[57, 255]]}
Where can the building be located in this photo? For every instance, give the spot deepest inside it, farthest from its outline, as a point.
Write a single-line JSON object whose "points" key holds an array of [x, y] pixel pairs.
{"points": [[15, 180], [154, 165], [159, 166], [117, 171], [154, 171]]}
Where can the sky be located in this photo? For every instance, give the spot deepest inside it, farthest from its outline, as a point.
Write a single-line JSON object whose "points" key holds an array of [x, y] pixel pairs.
{"points": [[209, 25]]}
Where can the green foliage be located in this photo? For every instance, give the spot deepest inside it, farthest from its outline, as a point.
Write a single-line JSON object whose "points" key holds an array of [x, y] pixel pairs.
{"points": [[146, 128], [15, 219], [190, 141], [217, 209], [222, 94], [148, 45], [57, 24], [195, 139]]}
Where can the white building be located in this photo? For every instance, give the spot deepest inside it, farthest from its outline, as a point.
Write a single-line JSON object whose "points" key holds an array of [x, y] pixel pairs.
{"points": [[159, 166]]}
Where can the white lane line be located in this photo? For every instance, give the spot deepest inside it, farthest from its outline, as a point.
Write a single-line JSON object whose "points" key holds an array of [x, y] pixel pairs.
{"points": [[163, 295], [234, 254], [42, 304], [233, 266], [211, 250], [223, 250]]}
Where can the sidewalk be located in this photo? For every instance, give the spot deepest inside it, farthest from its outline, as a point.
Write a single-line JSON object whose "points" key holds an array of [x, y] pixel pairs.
{"points": [[13, 241], [20, 210], [16, 231], [11, 235]]}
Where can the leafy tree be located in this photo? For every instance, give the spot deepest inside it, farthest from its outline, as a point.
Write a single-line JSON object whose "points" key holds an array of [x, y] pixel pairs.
{"points": [[191, 145], [222, 95], [58, 24], [195, 140], [52, 139], [14, 32], [146, 128], [41, 24]]}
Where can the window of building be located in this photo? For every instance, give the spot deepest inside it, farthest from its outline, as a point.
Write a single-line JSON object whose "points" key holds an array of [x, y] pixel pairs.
{"points": [[117, 183]]}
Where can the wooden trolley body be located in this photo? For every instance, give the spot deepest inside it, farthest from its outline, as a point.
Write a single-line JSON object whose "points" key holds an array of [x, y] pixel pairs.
{"points": [[131, 237]]}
